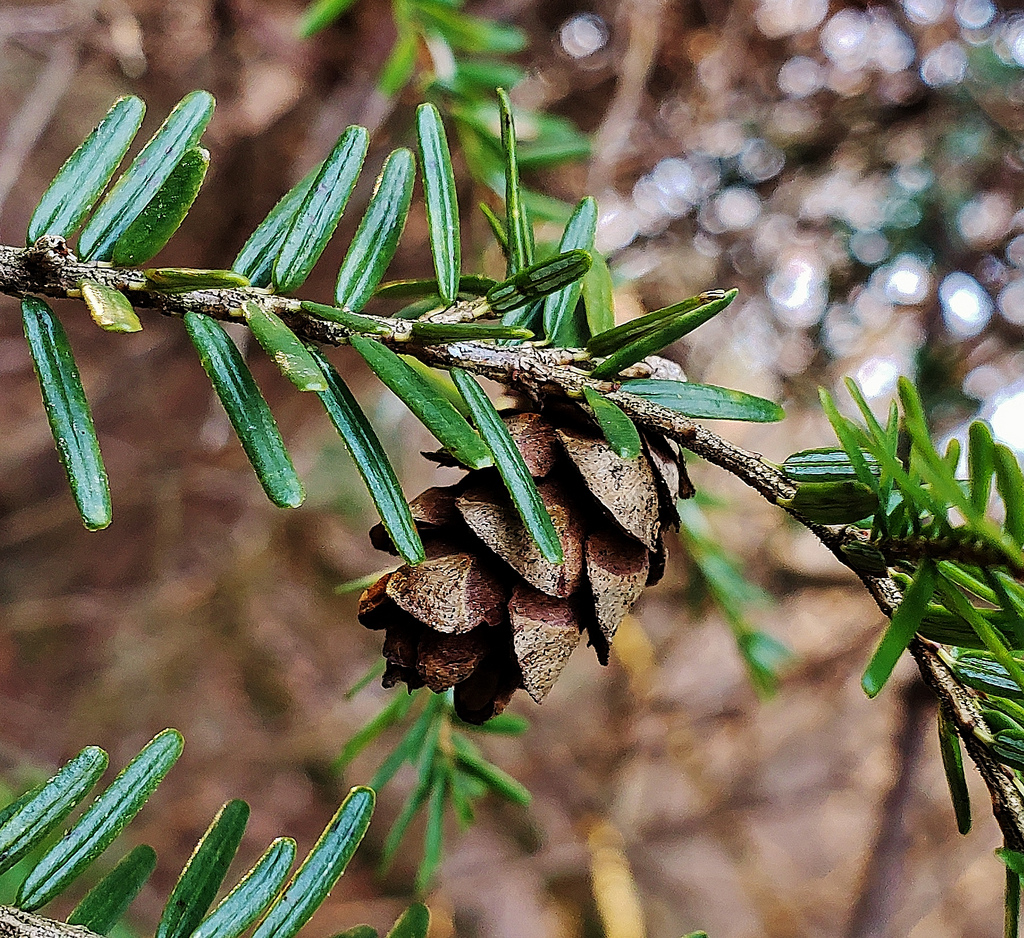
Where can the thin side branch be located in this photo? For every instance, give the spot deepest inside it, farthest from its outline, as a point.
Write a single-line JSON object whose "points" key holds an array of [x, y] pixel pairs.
{"points": [[50, 269]]}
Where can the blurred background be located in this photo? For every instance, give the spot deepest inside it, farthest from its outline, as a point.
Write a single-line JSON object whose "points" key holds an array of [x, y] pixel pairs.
{"points": [[855, 169]]}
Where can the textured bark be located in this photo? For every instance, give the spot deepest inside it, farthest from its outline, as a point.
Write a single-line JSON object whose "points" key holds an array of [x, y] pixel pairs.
{"points": [[17, 924]]}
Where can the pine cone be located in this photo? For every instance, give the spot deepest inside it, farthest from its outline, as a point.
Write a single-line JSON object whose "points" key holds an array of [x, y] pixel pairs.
{"points": [[486, 613]]}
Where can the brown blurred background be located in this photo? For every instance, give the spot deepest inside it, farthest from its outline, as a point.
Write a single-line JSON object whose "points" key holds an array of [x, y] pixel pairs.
{"points": [[854, 169]]}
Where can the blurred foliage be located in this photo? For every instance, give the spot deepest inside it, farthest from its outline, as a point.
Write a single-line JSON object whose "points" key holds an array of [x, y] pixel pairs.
{"points": [[720, 577], [457, 60], [451, 772]]}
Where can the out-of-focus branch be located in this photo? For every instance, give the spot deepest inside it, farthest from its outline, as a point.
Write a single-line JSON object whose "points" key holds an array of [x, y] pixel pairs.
{"points": [[27, 126], [49, 269], [643, 21], [885, 867]]}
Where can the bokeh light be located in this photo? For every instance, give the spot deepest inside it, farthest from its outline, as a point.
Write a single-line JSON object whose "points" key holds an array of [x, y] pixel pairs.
{"points": [[583, 35], [966, 307]]}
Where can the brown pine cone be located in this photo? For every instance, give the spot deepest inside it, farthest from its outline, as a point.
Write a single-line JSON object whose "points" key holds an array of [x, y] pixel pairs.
{"points": [[486, 613]]}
